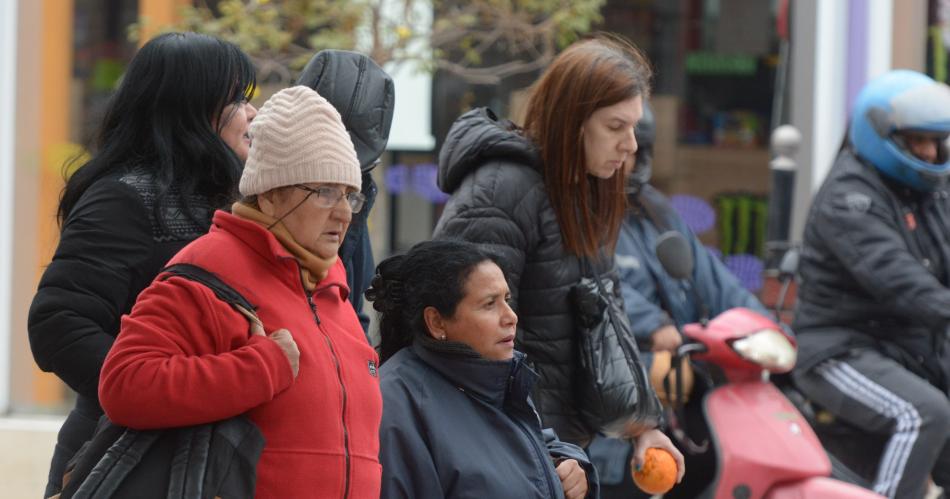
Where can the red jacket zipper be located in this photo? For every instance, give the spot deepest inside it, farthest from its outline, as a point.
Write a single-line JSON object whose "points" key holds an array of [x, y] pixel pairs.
{"points": [[339, 373]]}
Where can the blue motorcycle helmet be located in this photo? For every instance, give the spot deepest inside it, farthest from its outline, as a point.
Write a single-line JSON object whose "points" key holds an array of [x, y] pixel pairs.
{"points": [[891, 105]]}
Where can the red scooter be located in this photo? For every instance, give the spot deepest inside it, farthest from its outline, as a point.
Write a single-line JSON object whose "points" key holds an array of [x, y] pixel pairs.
{"points": [[764, 447]]}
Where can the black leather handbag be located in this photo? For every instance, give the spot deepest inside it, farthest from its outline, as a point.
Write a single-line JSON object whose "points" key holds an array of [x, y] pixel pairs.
{"points": [[613, 392]]}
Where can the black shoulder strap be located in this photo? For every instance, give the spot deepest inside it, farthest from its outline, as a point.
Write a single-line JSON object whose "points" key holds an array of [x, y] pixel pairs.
{"points": [[222, 290]]}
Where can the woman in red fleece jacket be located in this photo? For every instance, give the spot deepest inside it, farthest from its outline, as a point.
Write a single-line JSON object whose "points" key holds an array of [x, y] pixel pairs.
{"points": [[183, 357]]}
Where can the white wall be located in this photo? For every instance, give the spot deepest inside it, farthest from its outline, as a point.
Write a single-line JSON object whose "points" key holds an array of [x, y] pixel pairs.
{"points": [[829, 83], [8, 51], [881, 35], [412, 119], [412, 128], [819, 81]]}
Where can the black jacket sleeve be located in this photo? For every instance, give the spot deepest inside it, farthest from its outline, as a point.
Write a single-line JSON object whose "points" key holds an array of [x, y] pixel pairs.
{"points": [[869, 242], [75, 314]]}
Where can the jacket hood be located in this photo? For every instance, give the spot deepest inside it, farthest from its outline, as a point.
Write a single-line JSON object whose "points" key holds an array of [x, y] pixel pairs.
{"points": [[363, 94], [479, 136]]}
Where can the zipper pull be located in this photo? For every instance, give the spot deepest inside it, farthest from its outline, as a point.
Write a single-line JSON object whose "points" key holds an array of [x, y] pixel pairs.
{"points": [[313, 308]]}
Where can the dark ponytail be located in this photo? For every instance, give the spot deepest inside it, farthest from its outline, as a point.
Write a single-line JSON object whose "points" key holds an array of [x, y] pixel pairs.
{"points": [[387, 292], [431, 274]]}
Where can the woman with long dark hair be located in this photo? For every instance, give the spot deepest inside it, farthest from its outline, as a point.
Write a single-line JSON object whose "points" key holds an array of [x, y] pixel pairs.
{"points": [[449, 364], [168, 152], [549, 200]]}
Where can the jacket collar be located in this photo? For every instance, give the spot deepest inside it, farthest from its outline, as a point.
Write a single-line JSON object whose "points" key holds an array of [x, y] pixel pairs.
{"points": [[498, 382], [265, 244]]}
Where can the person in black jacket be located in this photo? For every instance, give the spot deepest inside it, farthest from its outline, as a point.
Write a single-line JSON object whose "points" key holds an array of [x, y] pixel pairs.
{"points": [[874, 301], [365, 97], [548, 200], [458, 420], [168, 152]]}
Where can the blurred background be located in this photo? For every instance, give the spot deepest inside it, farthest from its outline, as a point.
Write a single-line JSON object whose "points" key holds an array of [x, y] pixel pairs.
{"points": [[727, 73]]}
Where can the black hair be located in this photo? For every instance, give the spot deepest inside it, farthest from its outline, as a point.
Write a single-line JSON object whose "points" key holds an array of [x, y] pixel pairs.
{"points": [[431, 274], [160, 118]]}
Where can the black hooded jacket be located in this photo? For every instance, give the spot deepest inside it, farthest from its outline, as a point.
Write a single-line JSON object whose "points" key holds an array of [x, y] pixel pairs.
{"points": [[493, 174], [875, 269], [362, 93]]}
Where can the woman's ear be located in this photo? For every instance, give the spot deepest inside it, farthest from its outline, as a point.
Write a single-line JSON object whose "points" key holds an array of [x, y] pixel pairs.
{"points": [[435, 323], [265, 201]]}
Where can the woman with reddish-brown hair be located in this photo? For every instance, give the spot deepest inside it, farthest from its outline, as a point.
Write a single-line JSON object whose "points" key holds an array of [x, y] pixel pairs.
{"points": [[548, 200]]}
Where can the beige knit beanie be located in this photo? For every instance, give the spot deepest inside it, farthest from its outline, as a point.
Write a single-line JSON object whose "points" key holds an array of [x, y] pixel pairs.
{"points": [[298, 138]]}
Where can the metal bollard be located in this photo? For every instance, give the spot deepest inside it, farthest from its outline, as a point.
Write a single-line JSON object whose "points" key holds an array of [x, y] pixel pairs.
{"points": [[785, 141]]}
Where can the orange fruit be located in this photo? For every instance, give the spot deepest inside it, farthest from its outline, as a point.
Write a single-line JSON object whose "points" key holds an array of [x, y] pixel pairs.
{"points": [[658, 474]]}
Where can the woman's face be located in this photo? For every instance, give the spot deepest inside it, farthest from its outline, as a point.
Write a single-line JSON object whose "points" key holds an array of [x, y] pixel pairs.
{"points": [[609, 141], [237, 118], [320, 230], [483, 319]]}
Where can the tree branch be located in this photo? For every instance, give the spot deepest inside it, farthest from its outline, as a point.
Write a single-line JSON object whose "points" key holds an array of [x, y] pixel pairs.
{"points": [[526, 31], [492, 75]]}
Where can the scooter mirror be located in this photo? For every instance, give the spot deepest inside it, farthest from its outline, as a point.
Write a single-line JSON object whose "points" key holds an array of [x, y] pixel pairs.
{"points": [[788, 267], [675, 254]]}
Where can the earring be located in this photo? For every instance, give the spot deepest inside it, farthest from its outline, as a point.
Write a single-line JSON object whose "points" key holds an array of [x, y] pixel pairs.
{"points": [[443, 337]]}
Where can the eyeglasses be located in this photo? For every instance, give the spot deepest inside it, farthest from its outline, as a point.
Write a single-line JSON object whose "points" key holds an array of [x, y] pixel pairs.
{"points": [[328, 197]]}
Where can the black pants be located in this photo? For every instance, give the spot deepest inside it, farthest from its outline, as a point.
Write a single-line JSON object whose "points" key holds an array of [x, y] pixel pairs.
{"points": [[876, 394], [79, 426]]}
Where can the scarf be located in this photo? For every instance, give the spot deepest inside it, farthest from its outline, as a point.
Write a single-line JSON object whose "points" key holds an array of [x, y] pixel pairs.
{"points": [[313, 268]]}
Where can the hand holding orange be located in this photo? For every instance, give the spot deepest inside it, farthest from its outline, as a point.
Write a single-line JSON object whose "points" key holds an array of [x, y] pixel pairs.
{"points": [[658, 474]]}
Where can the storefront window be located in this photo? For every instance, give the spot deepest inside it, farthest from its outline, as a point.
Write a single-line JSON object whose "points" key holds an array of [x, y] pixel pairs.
{"points": [[717, 57]]}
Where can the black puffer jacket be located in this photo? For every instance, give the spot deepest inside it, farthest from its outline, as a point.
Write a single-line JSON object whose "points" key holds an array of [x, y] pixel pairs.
{"points": [[499, 200], [875, 268], [110, 248]]}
